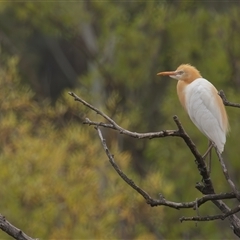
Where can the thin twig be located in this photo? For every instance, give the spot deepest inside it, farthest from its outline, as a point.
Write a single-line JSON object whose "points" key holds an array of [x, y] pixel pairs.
{"points": [[77, 98], [226, 175], [149, 135], [213, 217], [226, 102]]}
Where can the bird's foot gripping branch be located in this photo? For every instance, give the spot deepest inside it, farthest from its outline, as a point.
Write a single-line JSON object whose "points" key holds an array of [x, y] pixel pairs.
{"points": [[206, 186]]}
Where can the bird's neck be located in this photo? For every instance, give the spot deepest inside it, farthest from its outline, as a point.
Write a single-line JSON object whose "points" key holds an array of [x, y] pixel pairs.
{"points": [[191, 77], [181, 85]]}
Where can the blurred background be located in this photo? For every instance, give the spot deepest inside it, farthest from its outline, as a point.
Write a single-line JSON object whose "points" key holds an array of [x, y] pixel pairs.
{"points": [[56, 181]]}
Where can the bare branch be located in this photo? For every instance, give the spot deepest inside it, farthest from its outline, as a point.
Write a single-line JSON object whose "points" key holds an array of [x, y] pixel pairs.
{"points": [[226, 102], [12, 230], [206, 186], [161, 200], [211, 197], [225, 172], [115, 126], [98, 124], [118, 170], [213, 217], [165, 133], [149, 135]]}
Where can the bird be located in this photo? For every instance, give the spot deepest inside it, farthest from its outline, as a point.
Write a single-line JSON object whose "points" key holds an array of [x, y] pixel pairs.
{"points": [[204, 106]]}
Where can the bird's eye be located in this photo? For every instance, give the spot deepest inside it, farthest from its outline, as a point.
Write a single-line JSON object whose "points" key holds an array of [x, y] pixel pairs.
{"points": [[180, 72]]}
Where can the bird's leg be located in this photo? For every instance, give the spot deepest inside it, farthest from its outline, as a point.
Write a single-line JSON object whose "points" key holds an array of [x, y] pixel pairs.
{"points": [[210, 157], [209, 151]]}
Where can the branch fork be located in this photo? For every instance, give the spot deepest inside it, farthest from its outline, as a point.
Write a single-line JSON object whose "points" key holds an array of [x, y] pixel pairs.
{"points": [[206, 186]]}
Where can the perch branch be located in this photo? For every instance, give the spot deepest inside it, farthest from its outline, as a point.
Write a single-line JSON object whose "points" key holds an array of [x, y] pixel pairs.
{"points": [[233, 219], [206, 187], [226, 102], [161, 200]]}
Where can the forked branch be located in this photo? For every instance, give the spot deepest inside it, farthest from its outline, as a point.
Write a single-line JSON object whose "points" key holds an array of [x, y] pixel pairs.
{"points": [[213, 217], [161, 201], [205, 186]]}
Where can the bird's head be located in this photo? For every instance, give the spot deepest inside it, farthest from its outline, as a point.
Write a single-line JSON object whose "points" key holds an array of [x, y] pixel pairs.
{"points": [[184, 72]]}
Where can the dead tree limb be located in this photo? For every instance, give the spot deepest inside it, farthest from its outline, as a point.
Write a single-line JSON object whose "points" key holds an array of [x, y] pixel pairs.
{"points": [[12, 230], [205, 186], [161, 201]]}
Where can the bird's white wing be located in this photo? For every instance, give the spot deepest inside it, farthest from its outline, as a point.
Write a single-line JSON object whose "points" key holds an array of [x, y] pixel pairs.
{"points": [[203, 108]]}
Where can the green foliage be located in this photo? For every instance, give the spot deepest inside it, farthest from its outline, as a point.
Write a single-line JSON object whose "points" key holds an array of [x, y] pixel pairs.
{"points": [[56, 180]]}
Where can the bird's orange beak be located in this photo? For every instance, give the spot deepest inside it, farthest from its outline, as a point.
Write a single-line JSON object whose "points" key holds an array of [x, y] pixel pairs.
{"points": [[166, 73]]}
